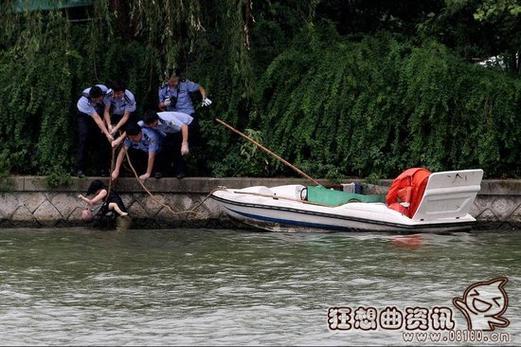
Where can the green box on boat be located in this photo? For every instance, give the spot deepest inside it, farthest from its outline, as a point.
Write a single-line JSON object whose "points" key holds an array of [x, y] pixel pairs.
{"points": [[330, 197]]}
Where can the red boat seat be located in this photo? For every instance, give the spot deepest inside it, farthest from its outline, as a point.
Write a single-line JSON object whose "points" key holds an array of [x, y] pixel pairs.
{"points": [[406, 191]]}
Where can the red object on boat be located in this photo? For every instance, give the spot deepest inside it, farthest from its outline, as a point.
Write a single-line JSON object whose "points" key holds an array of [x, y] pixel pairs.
{"points": [[407, 190]]}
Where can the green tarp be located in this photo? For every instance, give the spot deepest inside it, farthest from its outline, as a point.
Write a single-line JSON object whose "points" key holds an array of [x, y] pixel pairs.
{"points": [[330, 197]]}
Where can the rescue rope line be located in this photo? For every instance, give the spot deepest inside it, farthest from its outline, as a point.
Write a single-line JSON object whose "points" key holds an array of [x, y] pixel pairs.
{"points": [[175, 213], [110, 172]]}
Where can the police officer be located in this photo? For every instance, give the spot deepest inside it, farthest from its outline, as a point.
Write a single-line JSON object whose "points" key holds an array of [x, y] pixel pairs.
{"points": [[90, 124], [143, 144], [120, 105], [174, 95], [175, 128]]}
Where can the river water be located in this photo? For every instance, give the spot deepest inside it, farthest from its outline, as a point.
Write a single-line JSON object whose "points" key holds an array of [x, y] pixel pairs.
{"points": [[80, 286]]}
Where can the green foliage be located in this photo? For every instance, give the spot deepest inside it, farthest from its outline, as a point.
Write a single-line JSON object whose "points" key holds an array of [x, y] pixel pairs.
{"points": [[497, 8], [364, 103], [5, 162], [56, 177], [252, 155], [246, 158], [479, 29], [381, 105], [34, 122]]}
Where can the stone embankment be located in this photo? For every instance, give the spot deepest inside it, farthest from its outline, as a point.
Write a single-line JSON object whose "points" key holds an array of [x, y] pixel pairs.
{"points": [[29, 202]]}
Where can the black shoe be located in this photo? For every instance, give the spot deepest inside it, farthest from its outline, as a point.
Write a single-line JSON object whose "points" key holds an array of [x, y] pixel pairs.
{"points": [[80, 174], [181, 175], [158, 175]]}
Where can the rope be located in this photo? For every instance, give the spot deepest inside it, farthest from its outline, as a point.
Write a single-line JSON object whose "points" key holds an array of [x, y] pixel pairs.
{"points": [[175, 213], [110, 172]]}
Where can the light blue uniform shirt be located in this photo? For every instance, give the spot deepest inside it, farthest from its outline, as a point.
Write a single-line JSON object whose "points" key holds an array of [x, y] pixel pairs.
{"points": [[150, 141], [170, 122], [87, 106], [181, 92], [119, 106]]}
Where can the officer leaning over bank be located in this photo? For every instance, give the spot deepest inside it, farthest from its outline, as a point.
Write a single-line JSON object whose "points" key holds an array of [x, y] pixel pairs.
{"points": [[143, 145], [91, 128], [174, 128], [120, 105]]}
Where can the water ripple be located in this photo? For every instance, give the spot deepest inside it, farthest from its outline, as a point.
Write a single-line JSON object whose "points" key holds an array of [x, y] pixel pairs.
{"points": [[78, 286]]}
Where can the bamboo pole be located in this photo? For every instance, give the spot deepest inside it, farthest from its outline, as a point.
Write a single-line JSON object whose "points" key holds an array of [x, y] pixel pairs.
{"points": [[300, 172], [276, 197]]}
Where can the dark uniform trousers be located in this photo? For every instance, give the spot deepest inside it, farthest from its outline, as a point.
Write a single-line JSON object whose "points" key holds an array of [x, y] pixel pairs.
{"points": [[91, 138], [171, 149]]}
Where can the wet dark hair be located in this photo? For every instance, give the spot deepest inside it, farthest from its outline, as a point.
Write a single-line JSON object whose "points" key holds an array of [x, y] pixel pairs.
{"points": [[117, 86], [95, 92], [150, 117], [133, 129], [95, 186]]}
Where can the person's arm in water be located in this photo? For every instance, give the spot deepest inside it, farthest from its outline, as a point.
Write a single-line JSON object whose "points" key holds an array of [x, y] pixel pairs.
{"points": [[99, 197], [82, 197], [119, 161]]}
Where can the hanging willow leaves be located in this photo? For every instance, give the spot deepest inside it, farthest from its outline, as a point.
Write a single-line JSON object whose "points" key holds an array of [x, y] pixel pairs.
{"points": [[380, 105], [370, 104]]}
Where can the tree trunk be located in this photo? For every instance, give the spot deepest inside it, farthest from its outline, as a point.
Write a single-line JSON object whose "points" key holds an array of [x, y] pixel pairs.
{"points": [[122, 19]]}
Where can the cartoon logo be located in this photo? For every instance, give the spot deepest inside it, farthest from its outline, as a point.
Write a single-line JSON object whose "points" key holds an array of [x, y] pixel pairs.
{"points": [[483, 303]]}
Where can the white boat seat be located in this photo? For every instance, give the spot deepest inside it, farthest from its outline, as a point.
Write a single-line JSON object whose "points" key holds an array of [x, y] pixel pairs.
{"points": [[449, 194]]}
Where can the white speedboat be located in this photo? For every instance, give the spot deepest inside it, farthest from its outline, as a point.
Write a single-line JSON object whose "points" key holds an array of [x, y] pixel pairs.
{"points": [[443, 206]]}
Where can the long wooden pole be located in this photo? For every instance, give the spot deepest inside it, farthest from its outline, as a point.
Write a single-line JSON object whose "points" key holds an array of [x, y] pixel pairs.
{"points": [[300, 172], [275, 197]]}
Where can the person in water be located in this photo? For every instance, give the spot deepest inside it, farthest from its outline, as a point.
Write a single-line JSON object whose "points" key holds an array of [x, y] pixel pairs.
{"points": [[111, 203]]}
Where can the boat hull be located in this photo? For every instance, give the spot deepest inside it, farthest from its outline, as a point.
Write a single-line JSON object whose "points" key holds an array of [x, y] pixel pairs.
{"points": [[276, 215]]}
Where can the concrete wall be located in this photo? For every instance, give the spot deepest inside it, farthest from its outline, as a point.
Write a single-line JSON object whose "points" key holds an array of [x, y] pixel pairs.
{"points": [[27, 201]]}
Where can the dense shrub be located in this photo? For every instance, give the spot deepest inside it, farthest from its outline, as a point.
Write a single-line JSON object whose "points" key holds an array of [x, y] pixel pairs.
{"points": [[334, 105], [340, 107]]}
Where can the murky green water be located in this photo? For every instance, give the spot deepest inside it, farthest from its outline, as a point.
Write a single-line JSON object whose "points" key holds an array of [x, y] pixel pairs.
{"points": [[79, 286]]}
